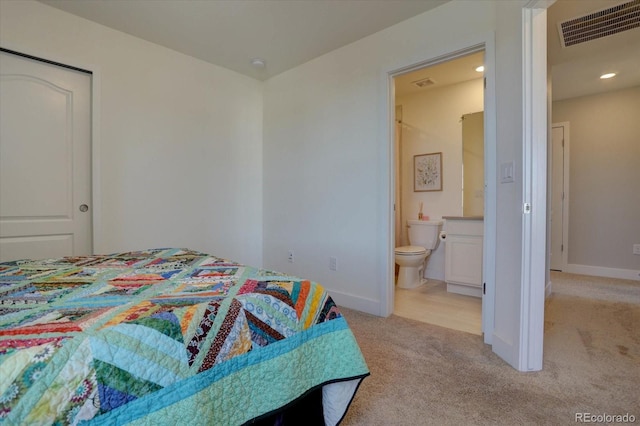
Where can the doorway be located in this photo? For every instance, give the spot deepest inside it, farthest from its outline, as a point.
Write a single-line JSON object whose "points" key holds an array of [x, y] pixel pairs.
{"points": [[432, 104], [45, 143]]}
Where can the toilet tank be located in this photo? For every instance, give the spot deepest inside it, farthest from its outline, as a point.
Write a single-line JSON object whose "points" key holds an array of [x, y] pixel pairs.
{"points": [[424, 233]]}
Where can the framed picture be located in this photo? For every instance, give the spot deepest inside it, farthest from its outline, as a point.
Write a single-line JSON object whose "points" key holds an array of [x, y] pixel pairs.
{"points": [[427, 172]]}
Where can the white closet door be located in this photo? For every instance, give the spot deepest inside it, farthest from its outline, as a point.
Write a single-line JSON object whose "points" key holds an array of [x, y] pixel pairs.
{"points": [[45, 160], [557, 198]]}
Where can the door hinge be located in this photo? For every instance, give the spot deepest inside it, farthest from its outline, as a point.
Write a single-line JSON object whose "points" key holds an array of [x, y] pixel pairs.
{"points": [[561, 247], [485, 82], [484, 288]]}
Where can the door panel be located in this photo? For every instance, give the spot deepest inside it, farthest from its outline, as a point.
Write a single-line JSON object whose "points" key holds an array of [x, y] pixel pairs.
{"points": [[42, 194], [38, 247], [45, 159]]}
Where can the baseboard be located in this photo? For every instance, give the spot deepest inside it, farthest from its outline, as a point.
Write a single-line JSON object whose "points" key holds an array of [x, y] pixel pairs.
{"points": [[357, 303], [547, 290], [600, 271], [467, 290], [434, 275], [502, 348]]}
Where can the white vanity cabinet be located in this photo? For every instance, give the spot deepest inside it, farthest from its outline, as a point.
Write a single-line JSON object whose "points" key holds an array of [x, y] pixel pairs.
{"points": [[463, 255]]}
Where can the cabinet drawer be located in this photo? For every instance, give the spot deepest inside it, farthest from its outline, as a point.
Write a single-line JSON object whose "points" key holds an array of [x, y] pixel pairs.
{"points": [[464, 227]]}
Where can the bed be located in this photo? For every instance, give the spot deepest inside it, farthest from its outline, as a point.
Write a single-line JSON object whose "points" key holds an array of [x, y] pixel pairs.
{"points": [[167, 337]]}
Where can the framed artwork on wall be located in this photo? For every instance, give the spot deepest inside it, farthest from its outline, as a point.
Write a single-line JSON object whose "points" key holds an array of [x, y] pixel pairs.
{"points": [[427, 172]]}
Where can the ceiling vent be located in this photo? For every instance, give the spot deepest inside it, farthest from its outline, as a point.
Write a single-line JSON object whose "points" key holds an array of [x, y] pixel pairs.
{"points": [[425, 82], [600, 24]]}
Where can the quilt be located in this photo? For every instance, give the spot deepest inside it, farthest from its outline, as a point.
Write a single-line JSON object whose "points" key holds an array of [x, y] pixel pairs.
{"points": [[167, 336]]}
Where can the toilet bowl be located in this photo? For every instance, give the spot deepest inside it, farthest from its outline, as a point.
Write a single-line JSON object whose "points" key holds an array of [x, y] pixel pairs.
{"points": [[410, 259], [423, 238]]}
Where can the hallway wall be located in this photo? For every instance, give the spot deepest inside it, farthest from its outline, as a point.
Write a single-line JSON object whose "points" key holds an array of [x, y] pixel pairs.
{"points": [[604, 205]]}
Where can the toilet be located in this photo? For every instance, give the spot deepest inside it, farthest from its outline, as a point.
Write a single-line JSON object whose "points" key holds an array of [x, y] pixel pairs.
{"points": [[423, 237]]}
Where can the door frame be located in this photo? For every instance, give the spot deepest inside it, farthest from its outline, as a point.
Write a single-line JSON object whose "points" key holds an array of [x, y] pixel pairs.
{"points": [[565, 188], [484, 43], [526, 353], [534, 267], [94, 70]]}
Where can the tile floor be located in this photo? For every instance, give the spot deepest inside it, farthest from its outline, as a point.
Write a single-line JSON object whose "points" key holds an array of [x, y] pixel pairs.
{"points": [[431, 303]]}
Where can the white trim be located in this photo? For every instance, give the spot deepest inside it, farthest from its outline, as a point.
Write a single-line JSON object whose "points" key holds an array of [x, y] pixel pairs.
{"points": [[96, 181], [601, 271], [565, 188], [386, 150], [96, 192], [386, 263], [539, 4], [534, 190], [489, 239], [502, 346], [353, 301]]}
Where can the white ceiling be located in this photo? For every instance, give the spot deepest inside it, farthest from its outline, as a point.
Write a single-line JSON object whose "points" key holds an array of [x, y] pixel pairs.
{"points": [[230, 33], [576, 70], [443, 74], [287, 33]]}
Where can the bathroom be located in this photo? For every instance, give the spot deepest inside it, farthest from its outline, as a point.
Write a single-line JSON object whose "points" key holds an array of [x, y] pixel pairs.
{"points": [[434, 107]]}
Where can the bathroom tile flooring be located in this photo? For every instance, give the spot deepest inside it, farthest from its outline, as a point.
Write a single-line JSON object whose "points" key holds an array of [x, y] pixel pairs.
{"points": [[431, 303]]}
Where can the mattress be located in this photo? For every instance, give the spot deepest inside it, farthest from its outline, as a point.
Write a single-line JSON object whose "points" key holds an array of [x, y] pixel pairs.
{"points": [[170, 336]]}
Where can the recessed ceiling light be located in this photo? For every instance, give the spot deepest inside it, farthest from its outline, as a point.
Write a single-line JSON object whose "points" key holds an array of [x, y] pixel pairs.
{"points": [[258, 63], [608, 75], [480, 68]]}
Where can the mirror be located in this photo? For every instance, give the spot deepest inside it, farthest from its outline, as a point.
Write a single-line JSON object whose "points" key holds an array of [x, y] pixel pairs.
{"points": [[473, 164]]}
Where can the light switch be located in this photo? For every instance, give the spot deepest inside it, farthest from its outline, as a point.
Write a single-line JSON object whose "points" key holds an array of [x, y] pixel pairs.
{"points": [[507, 172]]}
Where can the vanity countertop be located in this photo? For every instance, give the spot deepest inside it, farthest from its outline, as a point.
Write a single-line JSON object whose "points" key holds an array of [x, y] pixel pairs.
{"points": [[463, 217]]}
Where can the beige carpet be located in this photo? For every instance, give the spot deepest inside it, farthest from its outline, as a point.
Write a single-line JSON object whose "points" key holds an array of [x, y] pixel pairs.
{"points": [[422, 374]]}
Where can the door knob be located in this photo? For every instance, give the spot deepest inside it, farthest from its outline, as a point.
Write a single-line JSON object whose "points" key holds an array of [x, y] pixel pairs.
{"points": [[84, 208]]}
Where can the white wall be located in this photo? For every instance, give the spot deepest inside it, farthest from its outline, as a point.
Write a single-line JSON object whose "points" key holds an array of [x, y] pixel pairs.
{"points": [[431, 123], [173, 129], [327, 157], [604, 199], [179, 140]]}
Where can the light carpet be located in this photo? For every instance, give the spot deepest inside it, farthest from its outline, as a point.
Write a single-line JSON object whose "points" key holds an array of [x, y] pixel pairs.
{"points": [[422, 374]]}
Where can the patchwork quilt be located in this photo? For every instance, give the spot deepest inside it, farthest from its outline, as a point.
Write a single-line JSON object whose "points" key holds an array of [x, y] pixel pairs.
{"points": [[166, 336]]}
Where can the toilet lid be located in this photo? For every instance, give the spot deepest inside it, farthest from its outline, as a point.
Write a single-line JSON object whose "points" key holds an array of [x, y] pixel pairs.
{"points": [[410, 250]]}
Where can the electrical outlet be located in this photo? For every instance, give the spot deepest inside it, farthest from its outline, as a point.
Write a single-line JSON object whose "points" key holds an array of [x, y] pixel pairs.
{"points": [[333, 263], [290, 256], [636, 249]]}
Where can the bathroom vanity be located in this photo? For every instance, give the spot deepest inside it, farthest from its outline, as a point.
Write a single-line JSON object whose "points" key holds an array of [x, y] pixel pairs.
{"points": [[463, 254]]}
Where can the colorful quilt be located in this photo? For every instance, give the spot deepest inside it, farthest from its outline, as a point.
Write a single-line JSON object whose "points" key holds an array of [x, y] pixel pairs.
{"points": [[166, 337]]}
